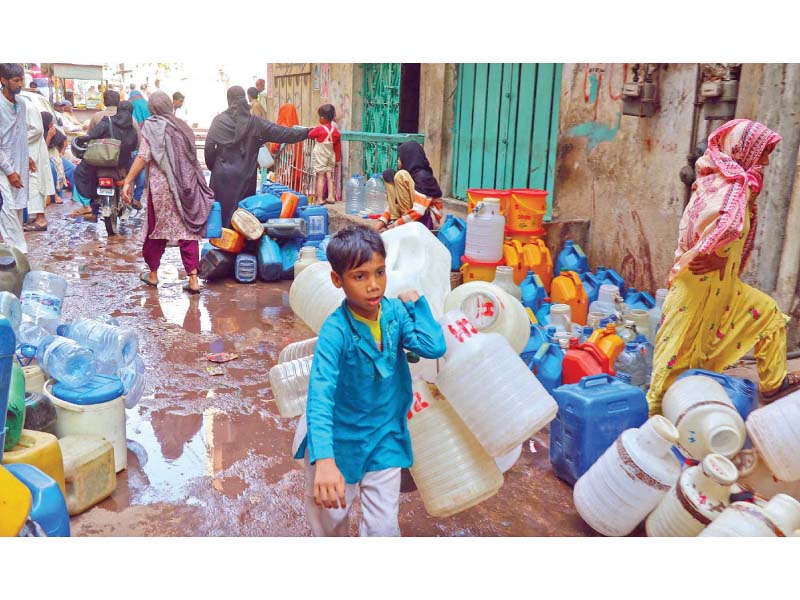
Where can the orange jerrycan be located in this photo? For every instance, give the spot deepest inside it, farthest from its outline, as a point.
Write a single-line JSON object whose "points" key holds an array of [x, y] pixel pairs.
{"points": [[512, 253], [288, 205], [526, 211], [608, 341], [568, 289], [230, 241], [536, 257]]}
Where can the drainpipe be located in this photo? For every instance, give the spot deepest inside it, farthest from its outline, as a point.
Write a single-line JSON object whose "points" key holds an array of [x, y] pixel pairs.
{"points": [[790, 254], [687, 174]]}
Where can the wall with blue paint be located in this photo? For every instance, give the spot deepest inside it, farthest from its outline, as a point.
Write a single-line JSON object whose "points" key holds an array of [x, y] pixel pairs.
{"points": [[621, 172]]}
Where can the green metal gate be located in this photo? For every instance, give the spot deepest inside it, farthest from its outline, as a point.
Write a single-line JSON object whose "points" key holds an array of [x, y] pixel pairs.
{"points": [[381, 112], [506, 127]]}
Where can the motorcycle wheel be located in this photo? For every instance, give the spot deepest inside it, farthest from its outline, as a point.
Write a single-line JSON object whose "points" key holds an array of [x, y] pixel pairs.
{"points": [[112, 222]]}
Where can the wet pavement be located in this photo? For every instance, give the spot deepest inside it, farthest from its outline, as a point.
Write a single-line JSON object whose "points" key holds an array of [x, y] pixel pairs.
{"points": [[209, 455]]}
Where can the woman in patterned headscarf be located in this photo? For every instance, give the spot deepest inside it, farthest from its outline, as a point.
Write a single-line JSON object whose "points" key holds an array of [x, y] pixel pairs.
{"points": [[711, 318]]}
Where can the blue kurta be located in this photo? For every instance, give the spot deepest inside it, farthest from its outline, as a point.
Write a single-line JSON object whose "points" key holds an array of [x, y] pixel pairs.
{"points": [[358, 396]]}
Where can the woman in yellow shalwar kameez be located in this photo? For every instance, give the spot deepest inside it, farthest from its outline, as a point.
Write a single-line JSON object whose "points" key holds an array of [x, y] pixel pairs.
{"points": [[711, 318]]}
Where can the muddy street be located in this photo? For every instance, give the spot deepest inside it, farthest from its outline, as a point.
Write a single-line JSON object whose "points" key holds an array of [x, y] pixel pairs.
{"points": [[208, 455]]}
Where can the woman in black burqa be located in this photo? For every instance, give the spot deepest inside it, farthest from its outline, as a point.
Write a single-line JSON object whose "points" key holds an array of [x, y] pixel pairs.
{"points": [[231, 151]]}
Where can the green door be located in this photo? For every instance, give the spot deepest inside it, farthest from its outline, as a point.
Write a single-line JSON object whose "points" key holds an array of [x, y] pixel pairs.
{"points": [[506, 127], [381, 112]]}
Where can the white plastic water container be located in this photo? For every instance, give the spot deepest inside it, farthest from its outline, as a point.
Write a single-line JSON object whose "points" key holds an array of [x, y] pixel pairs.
{"points": [[354, 192], [451, 469], [133, 380], [297, 350], [41, 298], [111, 344], [485, 230], [307, 257], [779, 518], [504, 279], [654, 314], [106, 420], [629, 480], [706, 418], [376, 194], [417, 260], [492, 310], [11, 309], [490, 387], [606, 301], [755, 476], [699, 497], [505, 462], [289, 382], [561, 318], [247, 224], [313, 297], [775, 432]]}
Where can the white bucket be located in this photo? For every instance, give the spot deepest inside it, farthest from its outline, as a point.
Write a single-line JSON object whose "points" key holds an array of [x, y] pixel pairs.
{"points": [[106, 420]]}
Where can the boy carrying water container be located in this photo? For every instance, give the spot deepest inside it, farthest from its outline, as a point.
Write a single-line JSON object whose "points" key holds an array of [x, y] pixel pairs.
{"points": [[360, 391]]}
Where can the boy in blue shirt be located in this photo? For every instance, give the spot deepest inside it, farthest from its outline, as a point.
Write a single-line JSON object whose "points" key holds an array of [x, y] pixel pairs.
{"points": [[360, 391]]}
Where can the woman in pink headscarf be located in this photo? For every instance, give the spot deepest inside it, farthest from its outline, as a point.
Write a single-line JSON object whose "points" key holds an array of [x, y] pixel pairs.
{"points": [[711, 318]]}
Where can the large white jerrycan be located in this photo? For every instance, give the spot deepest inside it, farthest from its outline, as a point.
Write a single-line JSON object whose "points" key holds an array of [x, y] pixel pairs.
{"points": [[629, 480], [755, 476], [313, 297], [289, 382], [699, 497], [451, 469], [298, 350], [780, 517], [417, 260], [492, 310], [775, 432], [707, 420], [490, 388]]}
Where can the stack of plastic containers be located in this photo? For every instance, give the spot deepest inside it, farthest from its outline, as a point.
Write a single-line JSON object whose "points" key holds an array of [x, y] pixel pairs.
{"points": [[42, 298], [483, 250]]}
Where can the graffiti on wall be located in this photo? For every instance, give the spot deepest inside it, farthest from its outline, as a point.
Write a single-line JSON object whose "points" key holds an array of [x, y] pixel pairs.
{"points": [[325, 80], [600, 81]]}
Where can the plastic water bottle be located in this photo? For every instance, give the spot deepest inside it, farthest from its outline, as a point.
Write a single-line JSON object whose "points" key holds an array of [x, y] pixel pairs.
{"points": [[354, 195], [375, 194], [11, 309], [42, 298], [655, 313], [112, 345], [632, 362], [132, 378], [108, 320], [646, 348], [66, 361]]}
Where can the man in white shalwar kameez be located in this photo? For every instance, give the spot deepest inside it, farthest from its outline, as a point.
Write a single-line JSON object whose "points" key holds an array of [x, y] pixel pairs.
{"points": [[41, 180], [15, 164]]}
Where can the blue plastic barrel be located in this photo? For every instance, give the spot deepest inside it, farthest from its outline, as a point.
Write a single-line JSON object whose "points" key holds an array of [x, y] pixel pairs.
{"points": [[533, 292], [572, 258], [611, 277], [538, 337], [641, 300], [547, 365], [263, 206], [214, 224], [290, 251], [591, 415], [316, 218], [8, 343], [591, 284]]}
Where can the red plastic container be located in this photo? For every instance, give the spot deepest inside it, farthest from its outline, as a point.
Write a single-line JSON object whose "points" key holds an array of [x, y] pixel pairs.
{"points": [[582, 360]]}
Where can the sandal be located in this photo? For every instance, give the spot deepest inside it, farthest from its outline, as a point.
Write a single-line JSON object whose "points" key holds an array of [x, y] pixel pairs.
{"points": [[187, 287], [34, 227], [143, 277], [789, 385]]}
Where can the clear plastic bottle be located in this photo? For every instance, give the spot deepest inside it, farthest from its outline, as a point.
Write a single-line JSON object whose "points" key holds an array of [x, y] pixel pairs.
{"points": [[375, 195], [108, 320], [641, 319], [632, 362], [42, 298], [11, 309], [132, 378], [66, 361], [504, 279], [354, 195], [112, 345], [289, 383], [646, 349], [655, 314], [628, 331], [297, 350]]}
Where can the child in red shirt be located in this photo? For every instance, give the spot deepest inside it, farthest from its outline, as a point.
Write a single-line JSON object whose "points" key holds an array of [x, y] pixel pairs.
{"points": [[327, 151]]}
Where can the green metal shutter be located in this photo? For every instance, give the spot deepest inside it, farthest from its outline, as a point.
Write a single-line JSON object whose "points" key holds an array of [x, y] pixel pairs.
{"points": [[381, 112], [506, 127]]}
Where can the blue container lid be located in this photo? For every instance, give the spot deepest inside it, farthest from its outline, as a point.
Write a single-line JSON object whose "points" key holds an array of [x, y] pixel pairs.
{"points": [[101, 388]]}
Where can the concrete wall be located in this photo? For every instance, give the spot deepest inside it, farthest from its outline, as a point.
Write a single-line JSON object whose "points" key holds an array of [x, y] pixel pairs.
{"points": [[621, 172]]}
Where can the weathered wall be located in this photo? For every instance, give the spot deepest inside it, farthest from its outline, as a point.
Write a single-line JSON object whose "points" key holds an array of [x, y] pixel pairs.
{"points": [[437, 118], [621, 172]]}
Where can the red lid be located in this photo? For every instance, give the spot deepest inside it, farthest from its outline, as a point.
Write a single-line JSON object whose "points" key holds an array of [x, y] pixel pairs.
{"points": [[464, 259]]}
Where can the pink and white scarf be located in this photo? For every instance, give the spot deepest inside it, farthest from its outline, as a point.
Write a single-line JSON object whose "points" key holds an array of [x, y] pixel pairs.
{"points": [[729, 180]]}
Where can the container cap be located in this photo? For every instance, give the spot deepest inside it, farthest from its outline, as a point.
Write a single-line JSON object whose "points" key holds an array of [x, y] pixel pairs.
{"points": [[720, 469], [631, 346], [100, 389], [7, 262]]}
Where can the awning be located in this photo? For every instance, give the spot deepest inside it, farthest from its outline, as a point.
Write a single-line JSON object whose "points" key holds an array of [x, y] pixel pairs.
{"points": [[71, 71]]}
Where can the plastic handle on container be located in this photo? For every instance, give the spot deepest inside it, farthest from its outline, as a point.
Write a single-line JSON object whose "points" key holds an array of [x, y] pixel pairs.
{"points": [[592, 380], [597, 354]]}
